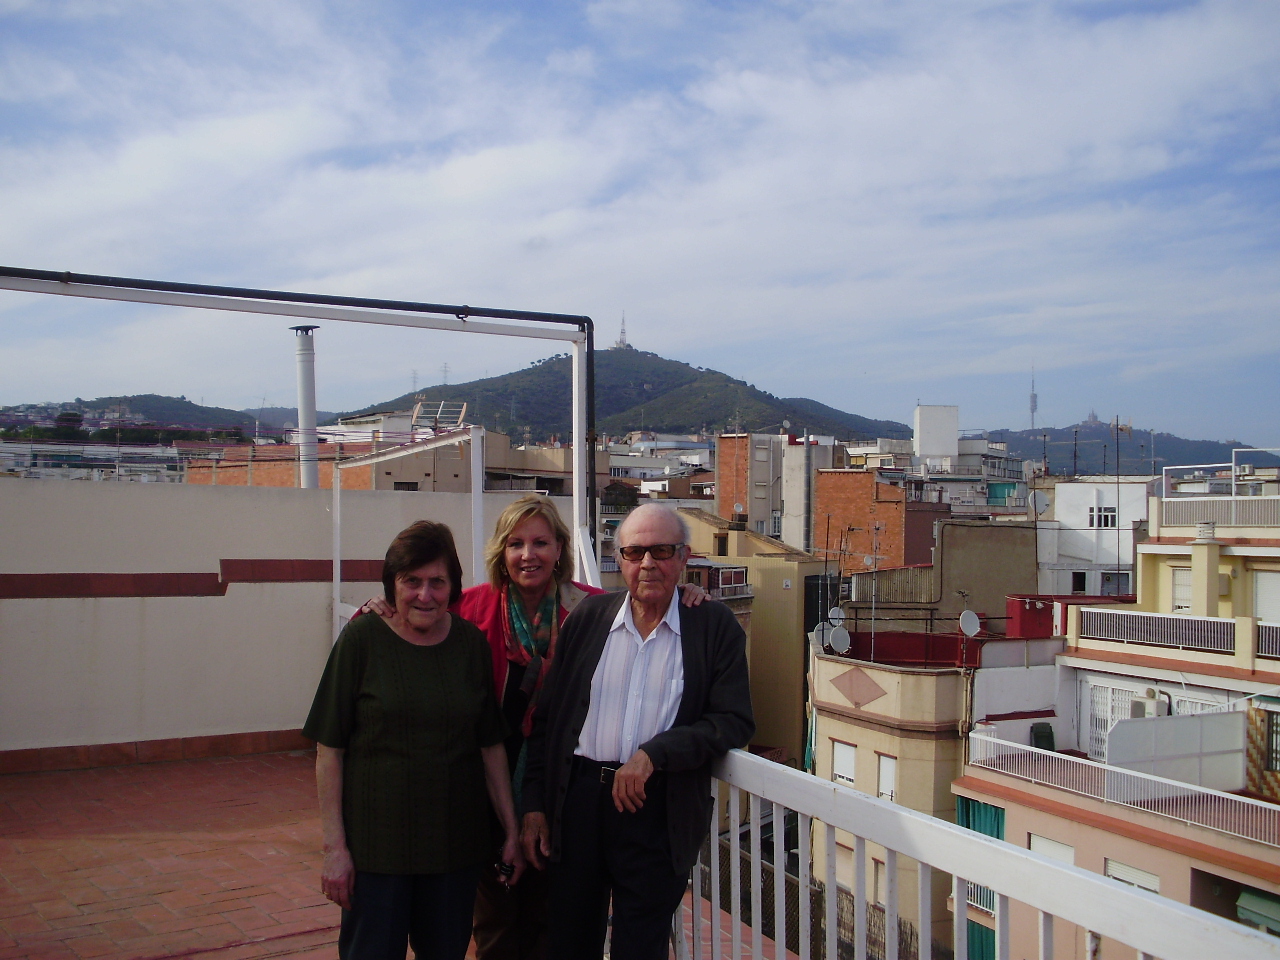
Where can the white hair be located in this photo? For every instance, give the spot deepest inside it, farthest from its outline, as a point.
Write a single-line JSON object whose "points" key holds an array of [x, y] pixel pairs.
{"points": [[666, 511]]}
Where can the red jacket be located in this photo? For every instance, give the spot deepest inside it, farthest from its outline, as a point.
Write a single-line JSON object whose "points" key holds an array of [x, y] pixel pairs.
{"points": [[482, 605]]}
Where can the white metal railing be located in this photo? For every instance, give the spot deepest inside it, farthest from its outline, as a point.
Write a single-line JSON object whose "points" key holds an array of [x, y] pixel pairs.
{"points": [[1226, 812], [1153, 926], [1225, 511], [1269, 640], [1211, 634]]}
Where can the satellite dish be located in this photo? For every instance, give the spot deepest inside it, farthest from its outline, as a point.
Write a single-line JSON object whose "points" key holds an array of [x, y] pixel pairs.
{"points": [[969, 623], [821, 634], [835, 614], [737, 508], [786, 424], [868, 561], [1039, 502], [840, 640]]}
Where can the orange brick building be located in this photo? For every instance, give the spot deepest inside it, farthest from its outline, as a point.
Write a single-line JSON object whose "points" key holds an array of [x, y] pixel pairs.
{"points": [[276, 465], [847, 504]]}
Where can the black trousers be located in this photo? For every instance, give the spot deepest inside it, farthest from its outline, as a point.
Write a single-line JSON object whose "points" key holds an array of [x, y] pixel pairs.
{"points": [[603, 853], [431, 911]]}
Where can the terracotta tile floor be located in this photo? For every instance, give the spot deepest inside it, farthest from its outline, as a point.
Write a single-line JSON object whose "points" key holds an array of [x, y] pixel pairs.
{"points": [[216, 859], [213, 859]]}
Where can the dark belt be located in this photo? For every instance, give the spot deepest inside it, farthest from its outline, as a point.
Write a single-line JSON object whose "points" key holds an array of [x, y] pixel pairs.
{"points": [[595, 769]]}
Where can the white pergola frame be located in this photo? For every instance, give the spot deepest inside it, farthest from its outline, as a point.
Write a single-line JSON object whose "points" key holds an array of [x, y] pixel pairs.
{"points": [[457, 319]]}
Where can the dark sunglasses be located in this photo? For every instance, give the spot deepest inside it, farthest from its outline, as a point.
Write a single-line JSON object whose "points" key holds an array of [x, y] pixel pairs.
{"points": [[659, 551]]}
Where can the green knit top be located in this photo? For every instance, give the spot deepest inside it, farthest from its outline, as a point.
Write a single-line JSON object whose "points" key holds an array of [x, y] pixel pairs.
{"points": [[412, 720]]}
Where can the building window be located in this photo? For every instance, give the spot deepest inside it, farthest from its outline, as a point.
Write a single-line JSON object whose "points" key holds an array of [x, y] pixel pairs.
{"points": [[762, 454], [409, 485], [887, 787], [1181, 589], [843, 756], [760, 527], [1052, 848], [1273, 740], [761, 491], [1079, 583], [1102, 517], [984, 818], [775, 528], [1132, 875], [722, 544]]}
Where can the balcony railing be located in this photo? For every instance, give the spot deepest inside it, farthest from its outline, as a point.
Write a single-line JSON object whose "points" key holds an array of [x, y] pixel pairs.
{"points": [[1211, 634], [1224, 511], [731, 591], [763, 902], [1269, 640], [1225, 812]]}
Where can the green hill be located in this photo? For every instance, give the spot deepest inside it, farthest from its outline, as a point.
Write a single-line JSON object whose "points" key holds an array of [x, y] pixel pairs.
{"points": [[174, 411], [639, 390]]}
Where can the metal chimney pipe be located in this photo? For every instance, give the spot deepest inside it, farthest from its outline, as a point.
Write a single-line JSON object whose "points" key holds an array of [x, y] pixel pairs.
{"points": [[308, 462]]}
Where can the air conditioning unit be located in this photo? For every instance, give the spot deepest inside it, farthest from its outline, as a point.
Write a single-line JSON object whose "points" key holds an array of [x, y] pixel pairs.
{"points": [[1141, 707]]}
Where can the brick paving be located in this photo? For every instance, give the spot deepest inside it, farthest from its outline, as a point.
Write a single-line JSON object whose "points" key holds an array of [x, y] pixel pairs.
{"points": [[216, 859], [213, 859]]}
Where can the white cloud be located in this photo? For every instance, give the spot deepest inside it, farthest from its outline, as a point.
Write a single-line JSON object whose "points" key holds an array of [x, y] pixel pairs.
{"points": [[841, 201]]}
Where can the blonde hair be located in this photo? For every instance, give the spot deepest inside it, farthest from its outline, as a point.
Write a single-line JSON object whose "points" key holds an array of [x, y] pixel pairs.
{"points": [[517, 512]]}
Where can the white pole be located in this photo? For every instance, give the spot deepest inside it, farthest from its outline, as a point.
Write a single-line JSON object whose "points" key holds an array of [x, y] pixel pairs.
{"points": [[477, 506], [308, 467], [337, 549], [588, 567]]}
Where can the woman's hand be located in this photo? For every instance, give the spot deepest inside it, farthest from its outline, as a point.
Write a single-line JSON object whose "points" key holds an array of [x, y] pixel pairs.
{"points": [[691, 594], [338, 876], [513, 857], [379, 606]]}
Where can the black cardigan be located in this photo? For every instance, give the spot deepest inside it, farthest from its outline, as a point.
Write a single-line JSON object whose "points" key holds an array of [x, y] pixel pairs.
{"points": [[714, 717]]}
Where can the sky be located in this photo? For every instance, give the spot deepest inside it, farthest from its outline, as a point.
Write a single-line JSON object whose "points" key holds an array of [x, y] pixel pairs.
{"points": [[871, 204]]}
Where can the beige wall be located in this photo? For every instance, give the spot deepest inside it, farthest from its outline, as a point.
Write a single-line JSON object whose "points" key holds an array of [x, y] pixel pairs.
{"points": [[779, 647], [927, 762], [108, 670]]}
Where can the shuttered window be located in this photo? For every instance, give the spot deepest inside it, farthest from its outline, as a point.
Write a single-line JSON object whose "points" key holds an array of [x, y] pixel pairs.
{"points": [[1052, 848], [843, 756], [1266, 595], [1181, 589], [1132, 875]]}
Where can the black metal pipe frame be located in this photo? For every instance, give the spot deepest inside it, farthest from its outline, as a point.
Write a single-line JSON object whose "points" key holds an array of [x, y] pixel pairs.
{"points": [[462, 312]]}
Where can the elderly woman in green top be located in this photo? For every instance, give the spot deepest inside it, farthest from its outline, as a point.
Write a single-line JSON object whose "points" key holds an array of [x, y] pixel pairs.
{"points": [[409, 758]]}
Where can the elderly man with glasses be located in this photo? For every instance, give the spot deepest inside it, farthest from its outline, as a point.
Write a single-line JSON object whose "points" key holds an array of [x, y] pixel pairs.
{"points": [[643, 696]]}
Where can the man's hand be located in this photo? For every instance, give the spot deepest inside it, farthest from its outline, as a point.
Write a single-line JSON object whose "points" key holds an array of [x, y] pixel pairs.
{"points": [[629, 781], [338, 876], [379, 606], [535, 837], [692, 595]]}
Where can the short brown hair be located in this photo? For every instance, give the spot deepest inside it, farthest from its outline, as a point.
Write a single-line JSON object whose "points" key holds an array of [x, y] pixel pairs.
{"points": [[422, 542], [517, 512]]}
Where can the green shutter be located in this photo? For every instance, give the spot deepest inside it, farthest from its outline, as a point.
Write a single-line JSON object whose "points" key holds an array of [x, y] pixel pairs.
{"points": [[1260, 908]]}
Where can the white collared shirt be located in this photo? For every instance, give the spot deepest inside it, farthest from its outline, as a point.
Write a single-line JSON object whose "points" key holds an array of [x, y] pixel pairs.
{"points": [[637, 686]]}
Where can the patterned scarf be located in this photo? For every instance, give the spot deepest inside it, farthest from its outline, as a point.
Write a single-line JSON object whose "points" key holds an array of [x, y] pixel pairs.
{"points": [[532, 644]]}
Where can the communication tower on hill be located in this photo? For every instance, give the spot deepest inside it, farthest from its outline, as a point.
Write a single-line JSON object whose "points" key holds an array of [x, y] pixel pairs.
{"points": [[1035, 402], [622, 334]]}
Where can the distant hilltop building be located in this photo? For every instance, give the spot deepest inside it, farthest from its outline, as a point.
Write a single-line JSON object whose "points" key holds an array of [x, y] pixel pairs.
{"points": [[622, 335]]}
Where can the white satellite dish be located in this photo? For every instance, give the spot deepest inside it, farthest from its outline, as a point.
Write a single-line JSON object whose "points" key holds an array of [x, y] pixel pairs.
{"points": [[1039, 502], [835, 615], [737, 508], [970, 624], [786, 424], [840, 640], [821, 634], [868, 560]]}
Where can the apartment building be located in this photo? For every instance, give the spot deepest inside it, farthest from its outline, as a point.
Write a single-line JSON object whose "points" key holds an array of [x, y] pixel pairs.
{"points": [[1171, 782], [1089, 529]]}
